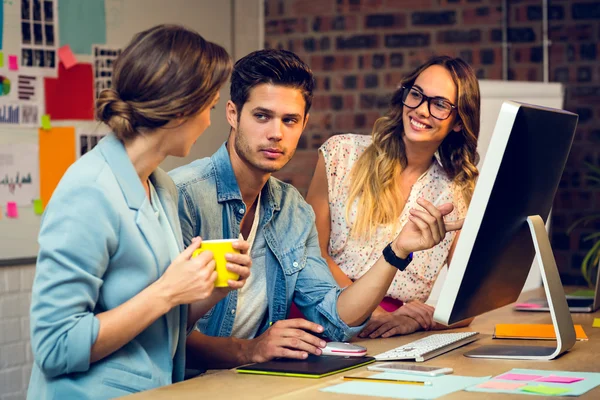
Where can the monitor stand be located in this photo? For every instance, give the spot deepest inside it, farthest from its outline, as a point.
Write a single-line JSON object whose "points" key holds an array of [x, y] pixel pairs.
{"points": [[557, 303]]}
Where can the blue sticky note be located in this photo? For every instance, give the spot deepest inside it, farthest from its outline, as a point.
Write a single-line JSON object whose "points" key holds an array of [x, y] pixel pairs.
{"points": [[440, 386], [82, 23]]}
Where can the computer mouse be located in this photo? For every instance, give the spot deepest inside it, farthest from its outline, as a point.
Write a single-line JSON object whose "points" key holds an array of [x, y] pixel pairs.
{"points": [[343, 349]]}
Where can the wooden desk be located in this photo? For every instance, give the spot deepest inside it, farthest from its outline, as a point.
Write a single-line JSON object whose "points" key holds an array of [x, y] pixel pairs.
{"points": [[227, 384]]}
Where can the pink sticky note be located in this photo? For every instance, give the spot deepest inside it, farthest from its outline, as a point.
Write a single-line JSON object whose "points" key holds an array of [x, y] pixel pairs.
{"points": [[11, 210], [498, 385], [13, 63], [519, 377], [66, 56], [528, 305], [559, 379]]}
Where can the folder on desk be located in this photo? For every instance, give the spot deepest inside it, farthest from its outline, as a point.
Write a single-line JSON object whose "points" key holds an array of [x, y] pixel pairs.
{"points": [[532, 331], [311, 367]]}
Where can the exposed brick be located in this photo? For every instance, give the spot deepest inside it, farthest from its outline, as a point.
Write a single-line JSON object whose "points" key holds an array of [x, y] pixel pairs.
{"points": [[585, 10], [360, 121], [482, 16], [561, 74], [312, 7], [407, 40], [397, 21], [409, 4], [457, 36], [588, 51], [396, 59], [371, 81], [555, 13], [585, 114], [368, 101], [466, 55], [378, 61], [324, 43], [393, 79], [310, 44], [570, 33], [356, 42], [433, 18], [337, 102], [515, 35], [350, 82], [584, 74], [487, 56]]}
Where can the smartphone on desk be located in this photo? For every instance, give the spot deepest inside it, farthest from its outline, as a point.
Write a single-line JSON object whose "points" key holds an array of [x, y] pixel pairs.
{"points": [[413, 369]]}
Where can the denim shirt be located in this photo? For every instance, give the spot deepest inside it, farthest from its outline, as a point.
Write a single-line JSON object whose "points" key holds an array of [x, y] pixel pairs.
{"points": [[211, 206]]}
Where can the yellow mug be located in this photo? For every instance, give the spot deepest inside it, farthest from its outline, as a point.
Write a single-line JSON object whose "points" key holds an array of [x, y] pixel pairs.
{"points": [[219, 248]]}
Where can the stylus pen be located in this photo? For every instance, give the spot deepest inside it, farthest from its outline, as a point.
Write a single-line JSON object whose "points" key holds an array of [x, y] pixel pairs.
{"points": [[361, 378]]}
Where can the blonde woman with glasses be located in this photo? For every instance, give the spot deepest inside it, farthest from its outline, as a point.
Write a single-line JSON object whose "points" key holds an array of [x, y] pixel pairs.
{"points": [[420, 156]]}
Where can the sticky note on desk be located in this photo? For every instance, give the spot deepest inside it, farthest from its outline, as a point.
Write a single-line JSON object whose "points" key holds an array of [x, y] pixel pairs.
{"points": [[519, 377], [547, 390], [500, 385], [560, 379], [528, 305], [596, 323], [66, 56], [13, 63]]}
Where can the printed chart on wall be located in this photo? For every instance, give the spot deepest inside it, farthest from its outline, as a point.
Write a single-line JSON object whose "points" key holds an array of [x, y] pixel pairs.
{"points": [[20, 99], [27, 56], [39, 31], [19, 179], [104, 58]]}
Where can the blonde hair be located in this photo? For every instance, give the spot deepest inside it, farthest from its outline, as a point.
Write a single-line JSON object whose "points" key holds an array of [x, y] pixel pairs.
{"points": [[166, 72], [374, 177]]}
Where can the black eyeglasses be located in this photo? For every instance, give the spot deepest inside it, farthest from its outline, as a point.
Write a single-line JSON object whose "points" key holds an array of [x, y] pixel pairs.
{"points": [[413, 98]]}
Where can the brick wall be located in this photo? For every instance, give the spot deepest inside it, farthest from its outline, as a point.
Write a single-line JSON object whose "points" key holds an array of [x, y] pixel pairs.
{"points": [[359, 50], [15, 350]]}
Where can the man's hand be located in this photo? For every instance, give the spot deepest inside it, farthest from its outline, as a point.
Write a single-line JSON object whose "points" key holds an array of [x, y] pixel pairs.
{"points": [[389, 324], [420, 312], [287, 338]]}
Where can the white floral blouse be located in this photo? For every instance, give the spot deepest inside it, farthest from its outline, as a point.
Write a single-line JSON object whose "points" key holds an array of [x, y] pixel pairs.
{"points": [[356, 256]]}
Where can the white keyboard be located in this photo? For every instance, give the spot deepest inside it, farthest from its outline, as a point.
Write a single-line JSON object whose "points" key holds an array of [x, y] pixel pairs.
{"points": [[428, 347]]}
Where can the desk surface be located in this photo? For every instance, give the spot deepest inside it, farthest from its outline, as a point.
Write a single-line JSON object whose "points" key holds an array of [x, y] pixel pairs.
{"points": [[227, 384]]}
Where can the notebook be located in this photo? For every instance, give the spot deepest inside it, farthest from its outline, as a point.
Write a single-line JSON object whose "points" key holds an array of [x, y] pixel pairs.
{"points": [[532, 331], [312, 367]]}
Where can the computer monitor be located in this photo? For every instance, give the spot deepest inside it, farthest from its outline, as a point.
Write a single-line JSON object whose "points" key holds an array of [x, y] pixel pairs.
{"points": [[504, 227]]}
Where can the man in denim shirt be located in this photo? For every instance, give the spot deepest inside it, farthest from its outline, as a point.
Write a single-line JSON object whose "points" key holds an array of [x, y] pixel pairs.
{"points": [[233, 192]]}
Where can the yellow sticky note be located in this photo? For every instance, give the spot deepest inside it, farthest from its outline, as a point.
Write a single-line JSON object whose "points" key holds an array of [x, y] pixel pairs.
{"points": [[38, 207], [46, 122], [596, 323], [1, 59]]}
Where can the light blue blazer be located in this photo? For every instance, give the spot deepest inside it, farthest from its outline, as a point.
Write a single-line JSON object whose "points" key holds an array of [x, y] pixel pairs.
{"points": [[100, 245]]}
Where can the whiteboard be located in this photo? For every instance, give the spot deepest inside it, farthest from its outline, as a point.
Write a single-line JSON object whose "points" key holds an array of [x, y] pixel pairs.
{"points": [[236, 25]]}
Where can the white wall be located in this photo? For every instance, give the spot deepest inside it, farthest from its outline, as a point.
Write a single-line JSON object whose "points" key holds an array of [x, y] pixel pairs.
{"points": [[15, 350], [237, 25]]}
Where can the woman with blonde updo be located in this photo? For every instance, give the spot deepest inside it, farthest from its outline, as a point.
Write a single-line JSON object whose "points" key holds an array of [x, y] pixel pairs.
{"points": [[115, 292], [421, 154]]}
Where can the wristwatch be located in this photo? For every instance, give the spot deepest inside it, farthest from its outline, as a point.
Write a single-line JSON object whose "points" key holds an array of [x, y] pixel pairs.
{"points": [[393, 259]]}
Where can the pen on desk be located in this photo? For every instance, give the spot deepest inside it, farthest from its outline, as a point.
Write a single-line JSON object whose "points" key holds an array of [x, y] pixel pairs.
{"points": [[399, 381]]}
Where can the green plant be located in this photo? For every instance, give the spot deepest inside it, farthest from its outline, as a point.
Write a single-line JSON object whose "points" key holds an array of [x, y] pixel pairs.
{"points": [[592, 257]]}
